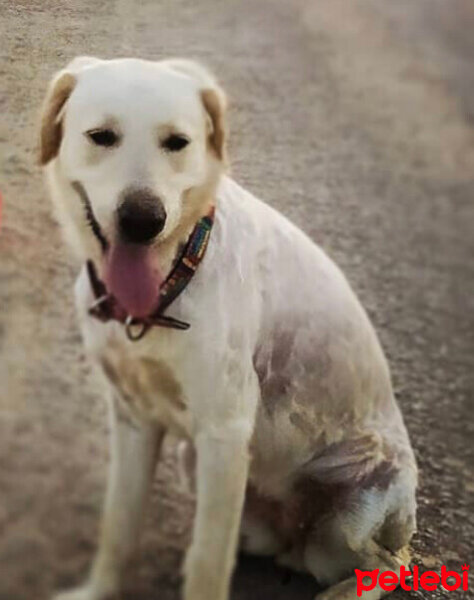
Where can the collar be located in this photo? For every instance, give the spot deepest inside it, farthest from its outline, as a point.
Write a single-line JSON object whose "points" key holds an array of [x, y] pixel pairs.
{"points": [[105, 307]]}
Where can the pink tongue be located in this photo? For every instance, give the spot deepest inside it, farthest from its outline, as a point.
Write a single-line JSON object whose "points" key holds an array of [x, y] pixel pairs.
{"points": [[133, 279]]}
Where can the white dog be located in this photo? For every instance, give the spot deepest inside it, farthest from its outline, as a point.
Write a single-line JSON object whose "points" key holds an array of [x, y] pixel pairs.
{"points": [[214, 317]]}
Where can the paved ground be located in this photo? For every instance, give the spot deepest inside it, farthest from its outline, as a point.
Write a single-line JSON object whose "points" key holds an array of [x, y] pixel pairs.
{"points": [[353, 118]]}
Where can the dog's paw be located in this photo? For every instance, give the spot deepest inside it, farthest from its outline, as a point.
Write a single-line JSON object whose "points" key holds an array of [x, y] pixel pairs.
{"points": [[82, 593], [347, 590], [75, 594]]}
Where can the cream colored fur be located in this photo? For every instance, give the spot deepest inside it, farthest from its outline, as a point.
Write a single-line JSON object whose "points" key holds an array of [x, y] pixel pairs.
{"points": [[280, 385]]}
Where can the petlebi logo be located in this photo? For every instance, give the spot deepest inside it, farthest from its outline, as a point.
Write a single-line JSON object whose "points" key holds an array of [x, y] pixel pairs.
{"points": [[429, 580]]}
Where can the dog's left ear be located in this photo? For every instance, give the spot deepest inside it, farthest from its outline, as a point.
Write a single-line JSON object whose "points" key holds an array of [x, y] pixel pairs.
{"points": [[51, 127], [214, 101]]}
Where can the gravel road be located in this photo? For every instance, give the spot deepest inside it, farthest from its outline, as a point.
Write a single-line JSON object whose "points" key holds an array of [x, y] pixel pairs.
{"points": [[353, 118]]}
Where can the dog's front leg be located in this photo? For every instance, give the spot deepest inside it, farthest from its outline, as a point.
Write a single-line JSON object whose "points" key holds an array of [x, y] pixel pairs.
{"points": [[222, 468], [134, 451]]}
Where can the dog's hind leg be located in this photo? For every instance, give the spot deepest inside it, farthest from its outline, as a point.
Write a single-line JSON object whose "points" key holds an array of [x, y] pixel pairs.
{"points": [[134, 451], [369, 534]]}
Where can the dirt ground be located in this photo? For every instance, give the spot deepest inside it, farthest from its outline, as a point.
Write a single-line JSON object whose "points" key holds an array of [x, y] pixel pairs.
{"points": [[353, 118]]}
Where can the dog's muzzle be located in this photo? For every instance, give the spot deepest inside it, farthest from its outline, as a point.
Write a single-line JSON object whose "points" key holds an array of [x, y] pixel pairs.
{"points": [[106, 308]]}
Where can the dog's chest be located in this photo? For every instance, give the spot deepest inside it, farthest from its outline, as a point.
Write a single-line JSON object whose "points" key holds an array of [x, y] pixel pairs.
{"points": [[147, 388]]}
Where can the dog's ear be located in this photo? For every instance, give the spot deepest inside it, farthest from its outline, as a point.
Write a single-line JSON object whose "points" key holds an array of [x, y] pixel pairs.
{"points": [[60, 89], [214, 101], [51, 126]]}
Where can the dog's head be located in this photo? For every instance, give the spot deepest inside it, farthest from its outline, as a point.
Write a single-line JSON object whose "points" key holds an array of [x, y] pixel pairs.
{"points": [[134, 151]]}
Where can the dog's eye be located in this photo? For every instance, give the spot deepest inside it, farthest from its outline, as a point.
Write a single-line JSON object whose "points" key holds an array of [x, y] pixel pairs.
{"points": [[103, 137], [175, 142]]}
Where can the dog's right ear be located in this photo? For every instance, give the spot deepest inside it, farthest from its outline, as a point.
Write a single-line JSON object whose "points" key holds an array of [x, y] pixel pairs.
{"points": [[51, 125], [60, 89]]}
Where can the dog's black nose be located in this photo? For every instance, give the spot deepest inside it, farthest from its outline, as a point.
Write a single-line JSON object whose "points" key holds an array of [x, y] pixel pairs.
{"points": [[141, 216]]}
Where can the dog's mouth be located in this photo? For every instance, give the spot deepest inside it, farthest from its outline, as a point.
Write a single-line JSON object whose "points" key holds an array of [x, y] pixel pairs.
{"points": [[90, 217], [131, 275]]}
